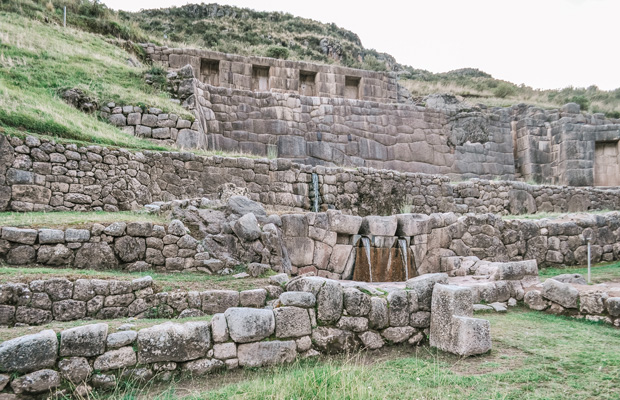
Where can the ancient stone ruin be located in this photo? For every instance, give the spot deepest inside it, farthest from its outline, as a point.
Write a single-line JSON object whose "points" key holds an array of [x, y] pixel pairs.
{"points": [[353, 212]]}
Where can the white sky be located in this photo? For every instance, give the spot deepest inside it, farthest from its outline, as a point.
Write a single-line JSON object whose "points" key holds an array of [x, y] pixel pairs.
{"points": [[545, 44]]}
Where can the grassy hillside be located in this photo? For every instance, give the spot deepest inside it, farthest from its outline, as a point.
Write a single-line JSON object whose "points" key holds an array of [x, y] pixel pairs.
{"points": [[38, 60]]}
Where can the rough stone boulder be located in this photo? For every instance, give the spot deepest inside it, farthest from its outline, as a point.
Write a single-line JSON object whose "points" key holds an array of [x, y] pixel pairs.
{"points": [[241, 205], [173, 342], [75, 369], [29, 353], [95, 256], [452, 327], [202, 366], [83, 341], [515, 270], [330, 302], [613, 306], [36, 382], [332, 340], [562, 293], [266, 353], [246, 228], [312, 284], [356, 302], [298, 299], [412, 224], [249, 324], [423, 286], [341, 223], [292, 322], [571, 278], [378, 226]]}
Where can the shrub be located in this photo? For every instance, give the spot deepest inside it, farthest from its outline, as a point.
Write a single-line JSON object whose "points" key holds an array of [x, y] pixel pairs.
{"points": [[613, 114], [583, 102], [504, 90], [277, 52]]}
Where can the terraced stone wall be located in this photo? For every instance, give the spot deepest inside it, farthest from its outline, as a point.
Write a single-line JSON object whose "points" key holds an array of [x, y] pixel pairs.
{"points": [[41, 175], [314, 315]]}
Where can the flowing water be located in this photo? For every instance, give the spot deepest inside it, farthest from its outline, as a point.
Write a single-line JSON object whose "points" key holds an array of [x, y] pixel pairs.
{"points": [[315, 189], [402, 243], [366, 243]]}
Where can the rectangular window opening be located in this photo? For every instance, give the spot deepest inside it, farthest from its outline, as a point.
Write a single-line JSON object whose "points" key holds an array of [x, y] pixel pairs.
{"points": [[307, 83], [210, 72], [352, 87], [260, 78]]}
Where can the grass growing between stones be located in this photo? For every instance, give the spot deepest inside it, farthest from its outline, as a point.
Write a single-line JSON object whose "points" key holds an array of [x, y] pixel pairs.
{"points": [[551, 215], [600, 273], [534, 356], [164, 281], [73, 219]]}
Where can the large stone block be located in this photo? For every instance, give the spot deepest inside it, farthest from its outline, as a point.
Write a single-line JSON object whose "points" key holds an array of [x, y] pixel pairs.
{"points": [[562, 293], [115, 359], [266, 353], [292, 322], [17, 235], [218, 301], [398, 306], [298, 299], [330, 302], [83, 341], [378, 226], [356, 302], [423, 286], [249, 324], [412, 224], [378, 316], [174, 342], [471, 336], [312, 284], [516, 270], [29, 353], [95, 256], [341, 223], [36, 382], [333, 340], [300, 250]]}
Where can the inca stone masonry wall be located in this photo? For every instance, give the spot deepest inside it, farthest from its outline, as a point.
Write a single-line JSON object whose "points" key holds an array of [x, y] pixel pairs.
{"points": [[41, 175], [314, 315]]}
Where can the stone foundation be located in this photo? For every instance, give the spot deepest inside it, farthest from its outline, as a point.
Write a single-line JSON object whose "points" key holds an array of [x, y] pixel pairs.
{"points": [[314, 316]]}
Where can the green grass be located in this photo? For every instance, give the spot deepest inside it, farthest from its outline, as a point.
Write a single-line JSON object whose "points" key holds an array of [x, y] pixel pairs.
{"points": [[68, 218], [600, 273], [37, 60], [166, 281], [534, 356]]}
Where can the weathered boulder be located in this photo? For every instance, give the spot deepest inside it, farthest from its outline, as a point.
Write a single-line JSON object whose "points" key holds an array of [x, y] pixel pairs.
{"points": [[173, 342], [592, 301], [398, 334], [218, 301], [298, 299], [130, 248], [51, 236], [332, 340], [202, 366], [266, 353], [246, 228], [371, 340], [253, 298], [95, 256], [292, 322], [225, 351], [75, 369], [378, 315], [19, 235], [471, 336], [29, 353], [378, 226], [423, 286], [69, 310], [312, 284], [613, 306], [219, 328], [83, 341], [562, 293], [341, 223], [356, 302], [119, 339], [36, 382], [412, 224], [115, 359], [249, 324], [571, 278], [330, 302], [398, 307], [241, 205], [353, 324]]}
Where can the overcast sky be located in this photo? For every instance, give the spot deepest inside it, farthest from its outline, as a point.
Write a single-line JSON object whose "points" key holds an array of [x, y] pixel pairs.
{"points": [[543, 43]]}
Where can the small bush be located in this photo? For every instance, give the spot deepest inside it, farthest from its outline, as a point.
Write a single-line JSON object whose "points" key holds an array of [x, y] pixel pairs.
{"points": [[277, 52], [583, 102], [613, 114], [503, 90]]}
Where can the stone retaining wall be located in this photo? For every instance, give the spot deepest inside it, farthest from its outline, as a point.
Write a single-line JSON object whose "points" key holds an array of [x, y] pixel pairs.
{"points": [[594, 303], [134, 246], [314, 315], [42, 301], [153, 123], [40, 175]]}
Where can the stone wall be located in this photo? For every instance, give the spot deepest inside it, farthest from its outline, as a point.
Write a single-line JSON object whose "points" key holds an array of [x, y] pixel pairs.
{"points": [[153, 123], [314, 315], [41, 175], [282, 76], [42, 301], [561, 297], [134, 246]]}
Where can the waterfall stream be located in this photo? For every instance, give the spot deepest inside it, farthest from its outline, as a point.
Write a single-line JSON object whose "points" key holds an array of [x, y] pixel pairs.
{"points": [[402, 243], [366, 243], [315, 189]]}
